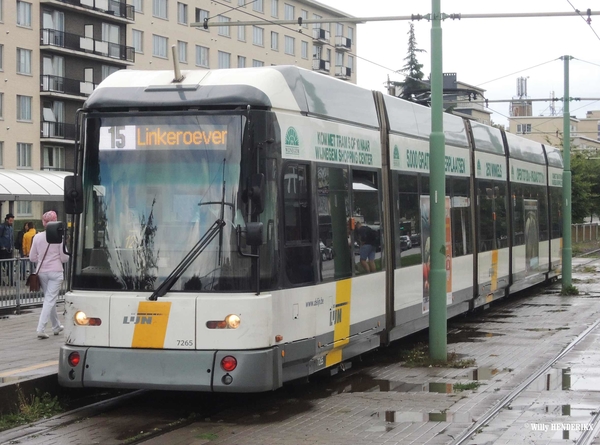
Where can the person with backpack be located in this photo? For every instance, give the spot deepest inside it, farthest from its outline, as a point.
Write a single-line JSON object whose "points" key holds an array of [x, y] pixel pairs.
{"points": [[366, 240]]}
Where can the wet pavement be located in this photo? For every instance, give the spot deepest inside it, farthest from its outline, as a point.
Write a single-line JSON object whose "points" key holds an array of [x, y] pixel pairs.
{"points": [[382, 401]]}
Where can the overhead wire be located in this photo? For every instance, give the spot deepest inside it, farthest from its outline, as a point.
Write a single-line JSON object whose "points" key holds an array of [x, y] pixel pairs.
{"points": [[588, 20]]}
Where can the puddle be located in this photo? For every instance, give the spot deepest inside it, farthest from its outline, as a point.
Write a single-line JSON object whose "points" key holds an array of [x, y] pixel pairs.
{"points": [[415, 416], [483, 373], [469, 335], [552, 380]]}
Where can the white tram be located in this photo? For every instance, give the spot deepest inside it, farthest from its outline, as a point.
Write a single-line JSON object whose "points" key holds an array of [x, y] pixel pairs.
{"points": [[213, 246]]}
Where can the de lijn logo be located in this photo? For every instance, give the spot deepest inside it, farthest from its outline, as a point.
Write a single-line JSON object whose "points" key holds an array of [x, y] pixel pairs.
{"points": [[292, 142], [396, 157]]}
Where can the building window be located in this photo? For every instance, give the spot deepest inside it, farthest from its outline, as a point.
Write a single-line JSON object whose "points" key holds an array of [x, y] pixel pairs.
{"points": [[1, 56], [339, 29], [23, 61], [1, 152], [23, 108], [258, 6], [182, 13], [523, 128], [54, 158], [224, 59], [274, 41], [23, 154], [202, 56], [304, 49], [304, 15], [137, 40], [107, 70], [241, 62], [24, 208], [182, 49], [159, 46], [288, 12], [138, 5], [1, 105], [1, 13], [258, 36], [242, 3], [290, 42], [275, 8], [224, 30], [351, 34], [241, 30], [159, 8], [23, 13], [339, 59], [201, 14], [317, 25], [257, 63], [351, 62]]}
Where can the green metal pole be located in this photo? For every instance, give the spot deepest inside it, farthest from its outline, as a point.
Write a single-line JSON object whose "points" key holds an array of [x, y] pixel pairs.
{"points": [[567, 246], [437, 186]]}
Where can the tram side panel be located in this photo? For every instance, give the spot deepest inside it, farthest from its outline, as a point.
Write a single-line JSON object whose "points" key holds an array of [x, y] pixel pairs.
{"points": [[555, 198]]}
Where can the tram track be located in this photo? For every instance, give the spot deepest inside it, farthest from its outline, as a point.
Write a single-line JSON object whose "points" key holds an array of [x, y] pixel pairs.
{"points": [[593, 425]]}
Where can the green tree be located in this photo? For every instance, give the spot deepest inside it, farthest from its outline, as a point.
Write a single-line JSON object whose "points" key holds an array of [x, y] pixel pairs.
{"points": [[584, 179], [413, 82]]}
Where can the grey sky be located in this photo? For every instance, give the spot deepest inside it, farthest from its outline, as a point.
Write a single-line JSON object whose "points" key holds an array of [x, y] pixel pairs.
{"points": [[482, 50]]}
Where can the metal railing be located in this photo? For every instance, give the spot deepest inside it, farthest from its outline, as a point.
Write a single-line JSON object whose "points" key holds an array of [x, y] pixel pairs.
{"points": [[111, 7], [58, 130], [14, 292], [88, 45], [57, 84]]}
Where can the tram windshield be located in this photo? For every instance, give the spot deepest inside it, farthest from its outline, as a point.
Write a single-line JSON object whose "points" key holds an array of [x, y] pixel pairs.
{"points": [[153, 186]]}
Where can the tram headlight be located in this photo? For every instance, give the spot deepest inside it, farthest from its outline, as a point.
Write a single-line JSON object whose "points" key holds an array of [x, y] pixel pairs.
{"points": [[81, 319], [232, 321]]}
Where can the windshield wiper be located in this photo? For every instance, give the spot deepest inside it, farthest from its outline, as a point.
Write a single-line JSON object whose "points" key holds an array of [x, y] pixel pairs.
{"points": [[166, 285]]}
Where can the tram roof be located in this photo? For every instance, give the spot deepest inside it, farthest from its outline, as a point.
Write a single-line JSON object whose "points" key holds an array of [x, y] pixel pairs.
{"points": [[288, 88], [554, 156], [525, 149], [415, 120], [487, 138], [32, 185]]}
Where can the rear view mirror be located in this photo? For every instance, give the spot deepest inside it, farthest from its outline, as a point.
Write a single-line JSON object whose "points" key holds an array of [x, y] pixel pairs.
{"points": [[254, 234], [256, 193], [73, 197]]}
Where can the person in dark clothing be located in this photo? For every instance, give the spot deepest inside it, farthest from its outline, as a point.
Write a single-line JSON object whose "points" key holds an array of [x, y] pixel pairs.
{"points": [[19, 239], [7, 244], [366, 240]]}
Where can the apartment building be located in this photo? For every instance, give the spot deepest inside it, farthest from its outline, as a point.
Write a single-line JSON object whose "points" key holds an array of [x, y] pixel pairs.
{"points": [[585, 132], [54, 52]]}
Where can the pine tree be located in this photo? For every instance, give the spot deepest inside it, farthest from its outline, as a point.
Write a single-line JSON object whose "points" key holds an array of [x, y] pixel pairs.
{"points": [[412, 69]]}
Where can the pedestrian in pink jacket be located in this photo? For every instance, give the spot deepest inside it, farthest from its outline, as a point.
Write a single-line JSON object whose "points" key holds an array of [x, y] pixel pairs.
{"points": [[49, 259]]}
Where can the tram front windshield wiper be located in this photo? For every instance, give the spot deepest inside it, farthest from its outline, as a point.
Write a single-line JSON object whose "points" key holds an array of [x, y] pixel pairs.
{"points": [[210, 234]]}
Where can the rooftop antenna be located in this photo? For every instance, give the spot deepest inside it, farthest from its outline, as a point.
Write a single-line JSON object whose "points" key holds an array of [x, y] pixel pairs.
{"points": [[178, 76]]}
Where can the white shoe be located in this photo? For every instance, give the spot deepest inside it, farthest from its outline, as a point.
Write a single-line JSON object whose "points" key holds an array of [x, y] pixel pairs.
{"points": [[58, 330], [42, 335]]}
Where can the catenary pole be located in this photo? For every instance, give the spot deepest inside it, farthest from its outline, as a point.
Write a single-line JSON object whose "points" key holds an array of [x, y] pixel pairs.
{"points": [[437, 197], [567, 247]]}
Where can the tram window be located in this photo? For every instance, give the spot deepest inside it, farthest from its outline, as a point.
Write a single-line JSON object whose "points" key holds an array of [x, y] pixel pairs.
{"points": [[408, 230], [556, 212], [333, 209], [460, 215], [297, 224], [543, 213], [366, 209], [492, 215]]}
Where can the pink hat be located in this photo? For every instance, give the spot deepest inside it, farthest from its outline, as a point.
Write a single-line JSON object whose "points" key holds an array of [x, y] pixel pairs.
{"points": [[48, 217]]}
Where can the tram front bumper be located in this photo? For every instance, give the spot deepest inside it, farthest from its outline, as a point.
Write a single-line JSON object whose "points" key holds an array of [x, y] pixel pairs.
{"points": [[190, 370]]}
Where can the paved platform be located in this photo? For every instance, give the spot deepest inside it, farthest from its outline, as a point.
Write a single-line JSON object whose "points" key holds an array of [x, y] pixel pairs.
{"points": [[392, 404]]}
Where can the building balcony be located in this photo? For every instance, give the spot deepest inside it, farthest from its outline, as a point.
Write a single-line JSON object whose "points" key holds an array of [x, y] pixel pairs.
{"points": [[119, 9], [58, 130], [62, 85], [343, 43], [321, 66], [320, 35], [343, 72], [86, 45]]}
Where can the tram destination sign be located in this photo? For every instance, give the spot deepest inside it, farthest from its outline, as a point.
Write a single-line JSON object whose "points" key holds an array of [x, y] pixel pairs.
{"points": [[160, 137]]}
